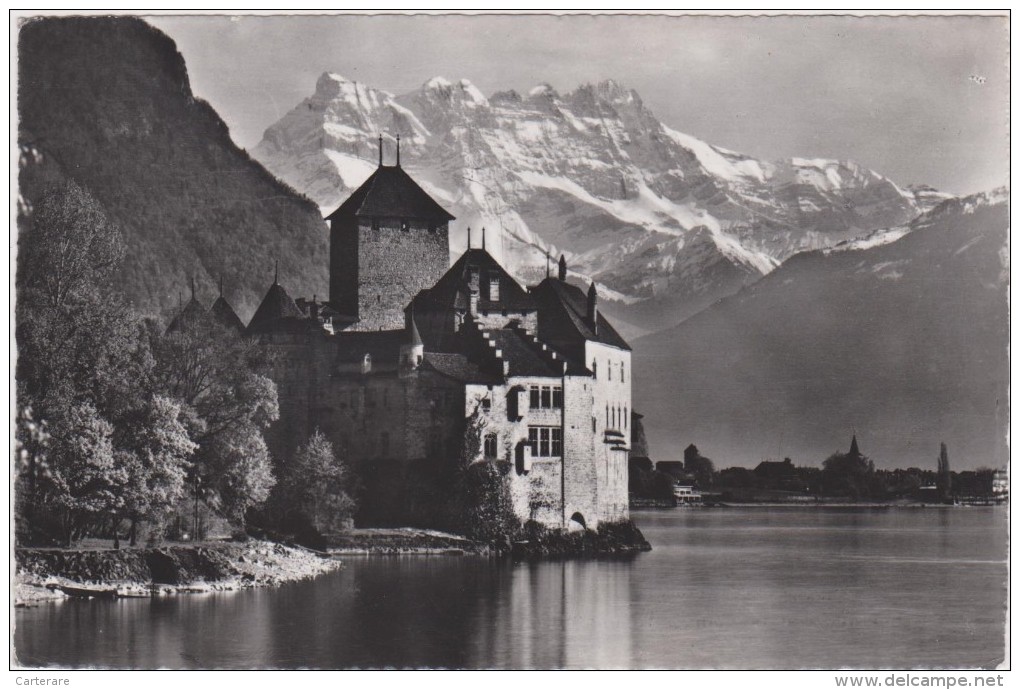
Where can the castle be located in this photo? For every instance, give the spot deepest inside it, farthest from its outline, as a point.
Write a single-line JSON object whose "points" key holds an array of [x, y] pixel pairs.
{"points": [[409, 350]]}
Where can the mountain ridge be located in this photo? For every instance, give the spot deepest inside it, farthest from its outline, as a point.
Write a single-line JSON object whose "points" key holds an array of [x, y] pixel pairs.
{"points": [[653, 215]]}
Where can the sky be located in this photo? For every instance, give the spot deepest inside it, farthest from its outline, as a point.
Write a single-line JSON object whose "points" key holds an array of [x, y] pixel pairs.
{"points": [[921, 100]]}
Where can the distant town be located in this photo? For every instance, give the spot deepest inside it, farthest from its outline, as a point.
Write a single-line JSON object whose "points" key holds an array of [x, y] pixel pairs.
{"points": [[849, 477]]}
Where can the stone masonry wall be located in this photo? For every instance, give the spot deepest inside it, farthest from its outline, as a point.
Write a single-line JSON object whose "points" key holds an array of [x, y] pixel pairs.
{"points": [[393, 265]]}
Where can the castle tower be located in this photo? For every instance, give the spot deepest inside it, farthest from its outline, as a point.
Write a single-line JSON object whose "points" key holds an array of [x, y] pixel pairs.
{"points": [[387, 242]]}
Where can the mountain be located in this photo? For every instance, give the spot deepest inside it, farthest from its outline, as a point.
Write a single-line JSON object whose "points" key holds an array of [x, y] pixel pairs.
{"points": [[664, 222], [107, 102], [902, 335]]}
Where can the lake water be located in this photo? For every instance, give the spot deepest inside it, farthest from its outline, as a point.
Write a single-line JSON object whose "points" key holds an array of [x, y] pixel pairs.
{"points": [[723, 588]]}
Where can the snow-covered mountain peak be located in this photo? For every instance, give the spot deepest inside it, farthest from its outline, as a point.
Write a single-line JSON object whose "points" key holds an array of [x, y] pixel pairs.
{"points": [[644, 209], [461, 91]]}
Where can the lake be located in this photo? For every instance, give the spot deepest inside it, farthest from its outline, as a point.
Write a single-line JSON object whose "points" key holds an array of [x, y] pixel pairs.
{"points": [[723, 588]]}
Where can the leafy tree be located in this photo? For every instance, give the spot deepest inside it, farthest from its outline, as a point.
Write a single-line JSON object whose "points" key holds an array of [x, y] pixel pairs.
{"points": [[156, 454], [844, 474], [222, 379], [486, 510], [86, 483], [319, 485]]}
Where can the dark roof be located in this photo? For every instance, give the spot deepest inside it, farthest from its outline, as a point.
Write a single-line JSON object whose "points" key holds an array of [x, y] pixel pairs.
{"points": [[276, 310], [458, 367], [523, 356], [452, 288], [192, 312], [562, 316], [225, 314], [391, 192], [383, 346]]}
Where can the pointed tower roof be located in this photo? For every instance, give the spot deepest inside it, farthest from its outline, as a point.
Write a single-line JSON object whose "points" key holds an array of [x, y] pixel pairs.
{"points": [[391, 192], [192, 312], [225, 314], [854, 450], [276, 305], [414, 337]]}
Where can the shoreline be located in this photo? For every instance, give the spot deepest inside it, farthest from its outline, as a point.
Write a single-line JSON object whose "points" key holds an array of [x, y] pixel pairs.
{"points": [[50, 574], [55, 574]]}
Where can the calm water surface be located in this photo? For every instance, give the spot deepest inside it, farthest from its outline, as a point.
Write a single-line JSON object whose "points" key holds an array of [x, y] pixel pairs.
{"points": [[726, 588]]}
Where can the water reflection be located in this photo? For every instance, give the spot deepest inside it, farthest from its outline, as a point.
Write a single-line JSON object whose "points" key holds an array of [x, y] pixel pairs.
{"points": [[750, 588]]}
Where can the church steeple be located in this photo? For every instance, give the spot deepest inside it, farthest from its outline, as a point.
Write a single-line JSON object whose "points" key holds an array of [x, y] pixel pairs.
{"points": [[854, 450]]}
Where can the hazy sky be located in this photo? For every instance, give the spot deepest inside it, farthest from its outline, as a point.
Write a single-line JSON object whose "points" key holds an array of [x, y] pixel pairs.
{"points": [[921, 100]]}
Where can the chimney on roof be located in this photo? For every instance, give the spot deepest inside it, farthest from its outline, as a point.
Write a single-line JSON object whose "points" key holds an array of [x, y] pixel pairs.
{"points": [[398, 150], [563, 267], [380, 150], [593, 308], [483, 237], [547, 264], [469, 237]]}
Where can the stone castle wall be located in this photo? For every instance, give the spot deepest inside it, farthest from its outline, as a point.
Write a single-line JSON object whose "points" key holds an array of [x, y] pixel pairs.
{"points": [[393, 265]]}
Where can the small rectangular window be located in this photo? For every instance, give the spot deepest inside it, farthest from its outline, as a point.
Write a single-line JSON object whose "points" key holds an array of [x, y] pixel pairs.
{"points": [[494, 290], [486, 404], [491, 445], [533, 439], [623, 373], [535, 397], [543, 442], [557, 442], [557, 397], [546, 397]]}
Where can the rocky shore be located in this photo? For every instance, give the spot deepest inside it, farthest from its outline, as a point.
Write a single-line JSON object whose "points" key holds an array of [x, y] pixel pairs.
{"points": [[47, 574]]}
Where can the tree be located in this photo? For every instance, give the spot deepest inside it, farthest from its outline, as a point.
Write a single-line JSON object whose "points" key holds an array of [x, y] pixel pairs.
{"points": [[156, 454], [86, 483], [72, 249], [319, 485], [944, 480], [222, 380], [847, 474]]}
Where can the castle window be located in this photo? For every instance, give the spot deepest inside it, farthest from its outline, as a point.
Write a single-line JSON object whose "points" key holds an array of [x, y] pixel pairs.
{"points": [[494, 290], [486, 403], [491, 445], [546, 397], [545, 441]]}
